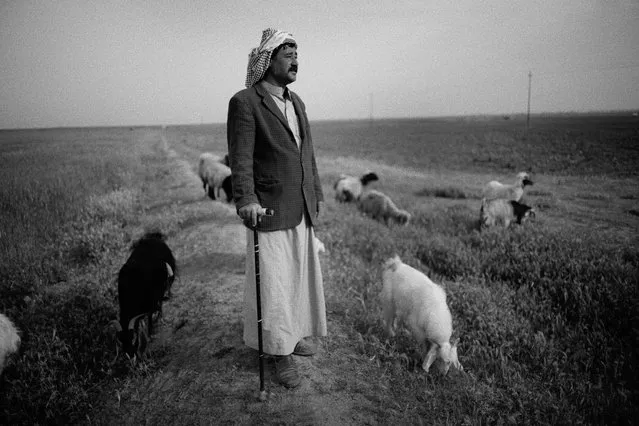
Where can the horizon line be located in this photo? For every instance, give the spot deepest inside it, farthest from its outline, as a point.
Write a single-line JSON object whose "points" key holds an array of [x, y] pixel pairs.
{"points": [[633, 112]]}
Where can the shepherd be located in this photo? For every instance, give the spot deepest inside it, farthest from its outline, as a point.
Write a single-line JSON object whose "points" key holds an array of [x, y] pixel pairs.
{"points": [[273, 167]]}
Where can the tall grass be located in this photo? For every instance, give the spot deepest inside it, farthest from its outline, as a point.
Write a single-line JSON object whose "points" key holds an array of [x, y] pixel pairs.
{"points": [[548, 313], [66, 196], [550, 320], [548, 316]]}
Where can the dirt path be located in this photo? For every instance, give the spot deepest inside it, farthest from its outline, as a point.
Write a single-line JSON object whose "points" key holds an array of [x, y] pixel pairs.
{"points": [[204, 374]]}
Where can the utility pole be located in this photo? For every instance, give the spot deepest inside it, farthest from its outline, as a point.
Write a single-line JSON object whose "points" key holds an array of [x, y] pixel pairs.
{"points": [[370, 96], [528, 114]]}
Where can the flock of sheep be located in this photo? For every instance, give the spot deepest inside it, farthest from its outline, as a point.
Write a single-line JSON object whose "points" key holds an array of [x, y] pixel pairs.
{"points": [[408, 295], [500, 202]]}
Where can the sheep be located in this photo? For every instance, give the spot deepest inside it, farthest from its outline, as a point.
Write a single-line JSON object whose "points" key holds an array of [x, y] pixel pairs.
{"points": [[215, 173], [503, 211], [349, 188], [9, 340], [494, 189], [420, 304], [144, 282], [379, 206]]}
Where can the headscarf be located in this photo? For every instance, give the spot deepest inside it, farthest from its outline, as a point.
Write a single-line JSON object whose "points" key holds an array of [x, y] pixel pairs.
{"points": [[260, 57]]}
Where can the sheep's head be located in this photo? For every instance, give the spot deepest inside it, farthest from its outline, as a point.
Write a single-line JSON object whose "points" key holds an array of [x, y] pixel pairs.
{"points": [[368, 177], [524, 179], [529, 214], [403, 217], [392, 263], [448, 354]]}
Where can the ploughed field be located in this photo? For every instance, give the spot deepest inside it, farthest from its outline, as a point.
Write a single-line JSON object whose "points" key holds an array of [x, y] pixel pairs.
{"points": [[547, 312]]}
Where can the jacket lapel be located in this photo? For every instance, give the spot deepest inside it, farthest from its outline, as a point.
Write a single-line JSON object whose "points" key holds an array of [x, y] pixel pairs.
{"points": [[301, 118], [269, 103]]}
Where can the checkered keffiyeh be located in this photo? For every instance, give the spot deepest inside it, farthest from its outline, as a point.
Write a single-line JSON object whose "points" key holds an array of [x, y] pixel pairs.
{"points": [[260, 57]]}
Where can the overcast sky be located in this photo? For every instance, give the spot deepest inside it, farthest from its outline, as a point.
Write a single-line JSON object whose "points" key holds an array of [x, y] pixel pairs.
{"points": [[100, 62]]}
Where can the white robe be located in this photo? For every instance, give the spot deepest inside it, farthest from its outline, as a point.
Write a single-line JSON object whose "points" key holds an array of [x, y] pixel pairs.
{"points": [[292, 290]]}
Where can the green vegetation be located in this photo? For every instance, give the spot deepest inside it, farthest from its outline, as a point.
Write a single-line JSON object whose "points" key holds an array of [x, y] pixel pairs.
{"points": [[548, 320], [547, 313], [66, 196]]}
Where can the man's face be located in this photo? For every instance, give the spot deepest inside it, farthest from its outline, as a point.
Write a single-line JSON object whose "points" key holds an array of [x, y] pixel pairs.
{"points": [[283, 66]]}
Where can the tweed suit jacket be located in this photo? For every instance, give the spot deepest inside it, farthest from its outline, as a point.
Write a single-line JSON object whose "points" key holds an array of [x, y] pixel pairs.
{"points": [[267, 166]]}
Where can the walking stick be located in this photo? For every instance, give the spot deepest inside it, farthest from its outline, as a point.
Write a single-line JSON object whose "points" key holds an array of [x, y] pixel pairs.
{"points": [[256, 251]]}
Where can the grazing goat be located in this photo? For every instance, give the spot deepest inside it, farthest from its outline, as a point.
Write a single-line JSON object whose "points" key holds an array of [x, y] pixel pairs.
{"points": [[215, 174], [144, 282], [494, 189], [9, 340], [379, 206], [411, 297], [349, 188], [503, 211]]}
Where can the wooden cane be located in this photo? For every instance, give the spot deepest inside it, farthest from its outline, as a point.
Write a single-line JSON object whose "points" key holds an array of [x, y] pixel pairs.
{"points": [[256, 251]]}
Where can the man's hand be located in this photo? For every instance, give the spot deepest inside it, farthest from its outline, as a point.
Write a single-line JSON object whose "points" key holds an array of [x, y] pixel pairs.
{"points": [[320, 209], [250, 214]]}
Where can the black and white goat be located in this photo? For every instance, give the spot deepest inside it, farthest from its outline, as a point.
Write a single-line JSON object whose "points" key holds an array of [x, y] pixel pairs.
{"points": [[144, 282], [349, 188], [503, 211]]}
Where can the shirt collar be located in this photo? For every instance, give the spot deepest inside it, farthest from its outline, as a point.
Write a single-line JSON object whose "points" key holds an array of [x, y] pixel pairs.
{"points": [[280, 92]]}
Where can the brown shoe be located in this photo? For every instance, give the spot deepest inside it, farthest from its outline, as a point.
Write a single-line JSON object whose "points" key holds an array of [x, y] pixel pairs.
{"points": [[286, 371], [304, 349]]}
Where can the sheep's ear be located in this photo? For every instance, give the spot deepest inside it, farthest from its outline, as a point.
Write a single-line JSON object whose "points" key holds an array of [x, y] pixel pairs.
{"points": [[430, 358]]}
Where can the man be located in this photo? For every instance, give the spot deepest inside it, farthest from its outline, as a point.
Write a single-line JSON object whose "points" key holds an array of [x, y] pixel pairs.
{"points": [[273, 166]]}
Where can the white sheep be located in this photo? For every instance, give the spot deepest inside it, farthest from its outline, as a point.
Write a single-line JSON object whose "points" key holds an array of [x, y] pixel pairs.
{"points": [[215, 174], [9, 340], [420, 304], [495, 189], [493, 212], [379, 206], [349, 188]]}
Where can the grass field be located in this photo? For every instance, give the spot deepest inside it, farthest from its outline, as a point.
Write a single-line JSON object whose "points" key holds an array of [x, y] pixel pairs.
{"points": [[547, 313]]}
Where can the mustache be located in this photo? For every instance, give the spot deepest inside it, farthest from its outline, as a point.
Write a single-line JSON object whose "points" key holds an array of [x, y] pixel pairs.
{"points": [[293, 68]]}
